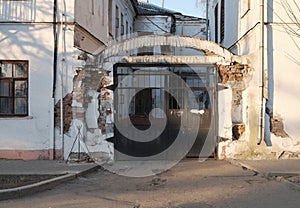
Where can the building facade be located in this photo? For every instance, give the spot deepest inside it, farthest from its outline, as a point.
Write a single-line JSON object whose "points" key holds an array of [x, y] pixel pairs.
{"points": [[263, 113], [49, 53], [42, 45]]}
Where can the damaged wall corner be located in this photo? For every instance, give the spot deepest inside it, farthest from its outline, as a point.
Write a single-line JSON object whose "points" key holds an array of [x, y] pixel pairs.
{"points": [[238, 131], [277, 127]]}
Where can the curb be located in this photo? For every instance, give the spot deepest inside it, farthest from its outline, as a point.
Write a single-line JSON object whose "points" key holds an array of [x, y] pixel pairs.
{"points": [[270, 175], [240, 164], [287, 182], [21, 191]]}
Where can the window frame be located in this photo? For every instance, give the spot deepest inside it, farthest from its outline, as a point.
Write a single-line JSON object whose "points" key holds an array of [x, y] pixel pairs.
{"points": [[117, 21], [110, 18], [222, 21], [122, 25], [216, 16], [12, 94]]}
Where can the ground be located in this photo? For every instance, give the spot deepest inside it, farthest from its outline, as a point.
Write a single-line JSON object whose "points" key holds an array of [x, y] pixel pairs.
{"points": [[189, 184], [12, 181]]}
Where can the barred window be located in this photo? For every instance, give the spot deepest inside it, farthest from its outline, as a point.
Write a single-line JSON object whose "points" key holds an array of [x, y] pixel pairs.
{"points": [[13, 88]]}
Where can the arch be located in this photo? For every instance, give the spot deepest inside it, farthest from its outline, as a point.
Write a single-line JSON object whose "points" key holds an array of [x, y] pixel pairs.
{"points": [[209, 48]]}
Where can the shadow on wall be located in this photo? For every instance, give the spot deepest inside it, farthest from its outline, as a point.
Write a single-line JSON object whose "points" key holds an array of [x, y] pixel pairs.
{"points": [[19, 10], [27, 38]]}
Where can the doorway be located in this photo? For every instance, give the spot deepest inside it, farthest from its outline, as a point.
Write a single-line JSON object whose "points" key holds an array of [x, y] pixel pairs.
{"points": [[153, 98]]}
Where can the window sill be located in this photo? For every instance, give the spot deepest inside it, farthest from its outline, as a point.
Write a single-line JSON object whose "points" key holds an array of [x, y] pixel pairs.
{"points": [[17, 118]]}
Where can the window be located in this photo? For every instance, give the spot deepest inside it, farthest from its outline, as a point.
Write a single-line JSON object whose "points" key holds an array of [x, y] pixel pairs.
{"points": [[13, 88], [122, 25], [222, 21], [216, 23], [93, 7], [103, 12], [110, 18], [117, 22]]}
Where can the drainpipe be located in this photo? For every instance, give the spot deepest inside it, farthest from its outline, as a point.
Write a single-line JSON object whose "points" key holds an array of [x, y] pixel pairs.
{"points": [[262, 76], [54, 71], [207, 20], [61, 80]]}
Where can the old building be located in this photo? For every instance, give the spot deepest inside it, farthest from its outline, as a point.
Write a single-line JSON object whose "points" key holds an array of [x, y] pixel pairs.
{"points": [[155, 42], [260, 119], [47, 61], [42, 45], [84, 76]]}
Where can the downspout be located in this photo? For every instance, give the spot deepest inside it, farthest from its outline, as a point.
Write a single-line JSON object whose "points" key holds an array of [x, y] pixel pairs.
{"points": [[54, 71], [61, 80], [207, 20], [261, 127]]}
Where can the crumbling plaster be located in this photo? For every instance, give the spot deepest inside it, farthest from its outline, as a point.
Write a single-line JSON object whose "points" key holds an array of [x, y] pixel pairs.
{"points": [[92, 103]]}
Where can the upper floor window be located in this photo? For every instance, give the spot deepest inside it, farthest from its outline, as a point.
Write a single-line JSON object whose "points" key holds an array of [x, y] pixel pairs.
{"points": [[92, 9], [13, 88], [122, 25], [18, 10], [222, 21], [216, 14], [110, 18], [117, 22]]}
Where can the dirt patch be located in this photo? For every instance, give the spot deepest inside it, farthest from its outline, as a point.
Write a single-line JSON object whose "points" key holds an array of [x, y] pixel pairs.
{"points": [[294, 179], [13, 181]]}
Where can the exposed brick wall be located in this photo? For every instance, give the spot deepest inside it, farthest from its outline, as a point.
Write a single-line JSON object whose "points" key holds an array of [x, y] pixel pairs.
{"points": [[75, 104], [67, 112], [277, 127], [238, 131]]}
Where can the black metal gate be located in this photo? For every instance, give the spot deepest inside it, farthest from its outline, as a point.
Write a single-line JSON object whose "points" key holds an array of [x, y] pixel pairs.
{"points": [[153, 98]]}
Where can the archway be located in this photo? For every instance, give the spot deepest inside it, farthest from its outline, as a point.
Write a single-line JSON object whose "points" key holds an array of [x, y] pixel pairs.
{"points": [[157, 51]]}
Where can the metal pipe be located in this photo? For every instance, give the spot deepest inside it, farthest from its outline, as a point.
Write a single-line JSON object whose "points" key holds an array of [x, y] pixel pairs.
{"points": [[262, 76], [54, 71], [61, 81], [207, 20]]}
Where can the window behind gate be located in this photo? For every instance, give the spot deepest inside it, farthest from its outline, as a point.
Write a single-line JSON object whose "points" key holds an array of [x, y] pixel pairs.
{"points": [[13, 88]]}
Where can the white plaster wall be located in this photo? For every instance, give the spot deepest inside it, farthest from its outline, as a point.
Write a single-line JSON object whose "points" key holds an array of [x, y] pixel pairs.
{"points": [[249, 19], [153, 24], [95, 20], [286, 80], [66, 70], [36, 10], [278, 10], [224, 113], [67, 61], [65, 10], [193, 28], [34, 44], [32, 10], [127, 10]]}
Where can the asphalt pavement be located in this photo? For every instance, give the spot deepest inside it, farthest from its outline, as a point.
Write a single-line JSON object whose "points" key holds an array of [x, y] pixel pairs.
{"points": [[70, 171]]}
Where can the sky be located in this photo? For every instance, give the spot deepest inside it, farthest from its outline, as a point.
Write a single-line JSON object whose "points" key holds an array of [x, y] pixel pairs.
{"points": [[187, 7]]}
